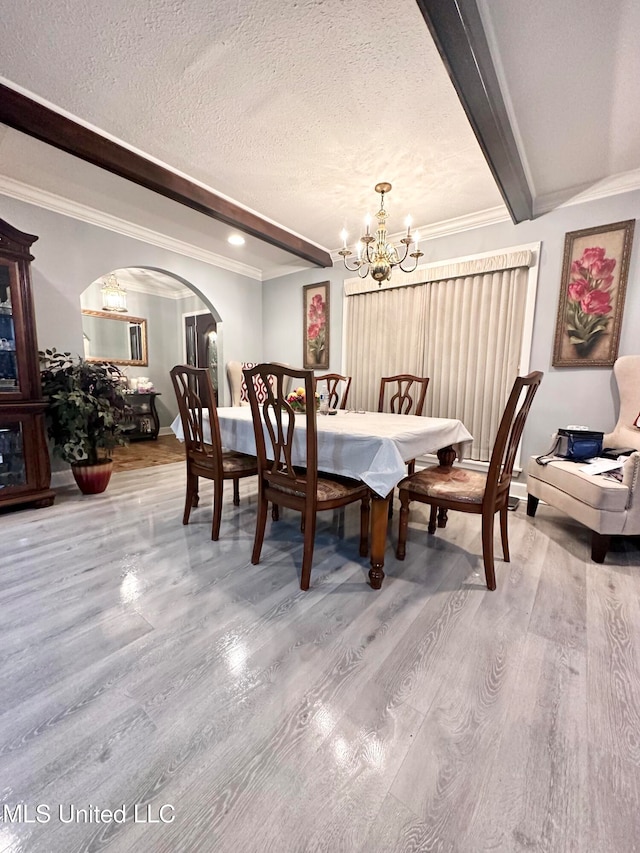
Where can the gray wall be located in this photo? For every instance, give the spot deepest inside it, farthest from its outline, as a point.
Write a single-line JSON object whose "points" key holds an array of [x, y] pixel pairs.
{"points": [[567, 395], [69, 255]]}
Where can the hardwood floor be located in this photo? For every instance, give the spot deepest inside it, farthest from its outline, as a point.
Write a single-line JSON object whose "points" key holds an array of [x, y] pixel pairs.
{"points": [[145, 454], [142, 663]]}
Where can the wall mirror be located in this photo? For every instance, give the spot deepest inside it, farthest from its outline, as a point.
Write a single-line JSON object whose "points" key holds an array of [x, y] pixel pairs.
{"points": [[116, 338]]}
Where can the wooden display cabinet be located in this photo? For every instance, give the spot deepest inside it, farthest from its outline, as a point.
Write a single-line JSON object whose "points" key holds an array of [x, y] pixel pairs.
{"points": [[25, 472]]}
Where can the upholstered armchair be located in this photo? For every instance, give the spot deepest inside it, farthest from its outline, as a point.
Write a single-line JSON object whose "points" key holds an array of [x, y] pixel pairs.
{"points": [[606, 506]]}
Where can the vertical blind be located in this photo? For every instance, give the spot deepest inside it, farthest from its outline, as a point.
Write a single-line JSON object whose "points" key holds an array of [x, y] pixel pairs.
{"points": [[464, 332]]}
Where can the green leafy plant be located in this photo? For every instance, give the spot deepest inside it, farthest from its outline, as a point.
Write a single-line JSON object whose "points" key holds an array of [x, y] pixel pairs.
{"points": [[86, 406]]}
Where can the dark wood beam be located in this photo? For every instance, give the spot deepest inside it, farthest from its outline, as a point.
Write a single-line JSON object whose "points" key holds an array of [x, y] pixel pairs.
{"points": [[456, 28], [28, 116]]}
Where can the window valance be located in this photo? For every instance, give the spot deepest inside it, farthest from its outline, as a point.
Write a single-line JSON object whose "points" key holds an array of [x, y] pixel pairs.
{"points": [[445, 272]]}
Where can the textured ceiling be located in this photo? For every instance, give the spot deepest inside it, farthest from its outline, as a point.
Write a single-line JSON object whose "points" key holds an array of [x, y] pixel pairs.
{"points": [[296, 109]]}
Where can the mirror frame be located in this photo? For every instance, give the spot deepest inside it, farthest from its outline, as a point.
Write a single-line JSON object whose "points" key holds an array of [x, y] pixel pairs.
{"points": [[125, 318]]}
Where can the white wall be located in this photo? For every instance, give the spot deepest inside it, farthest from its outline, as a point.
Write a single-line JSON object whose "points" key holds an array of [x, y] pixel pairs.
{"points": [[70, 254], [567, 395]]}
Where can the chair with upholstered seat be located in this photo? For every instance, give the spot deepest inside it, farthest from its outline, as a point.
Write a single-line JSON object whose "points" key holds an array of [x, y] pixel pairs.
{"points": [[605, 506], [473, 491], [333, 381], [291, 481], [403, 395], [204, 454]]}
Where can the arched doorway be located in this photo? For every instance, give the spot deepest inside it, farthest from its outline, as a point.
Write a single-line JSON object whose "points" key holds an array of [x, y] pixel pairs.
{"points": [[156, 302]]}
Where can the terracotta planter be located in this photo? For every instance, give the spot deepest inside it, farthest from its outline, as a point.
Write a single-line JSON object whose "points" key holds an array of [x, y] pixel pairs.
{"points": [[92, 479]]}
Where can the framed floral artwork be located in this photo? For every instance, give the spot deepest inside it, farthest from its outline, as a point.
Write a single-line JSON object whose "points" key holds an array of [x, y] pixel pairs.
{"points": [[315, 303], [594, 281]]}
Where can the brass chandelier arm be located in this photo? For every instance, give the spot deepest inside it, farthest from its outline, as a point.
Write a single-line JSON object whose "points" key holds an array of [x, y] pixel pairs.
{"points": [[417, 256], [345, 254]]}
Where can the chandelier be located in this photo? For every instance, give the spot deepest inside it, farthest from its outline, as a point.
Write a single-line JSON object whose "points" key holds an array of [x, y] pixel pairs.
{"points": [[114, 298], [374, 254]]}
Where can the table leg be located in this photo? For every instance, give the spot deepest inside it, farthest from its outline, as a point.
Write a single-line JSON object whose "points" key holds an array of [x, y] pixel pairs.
{"points": [[379, 523]]}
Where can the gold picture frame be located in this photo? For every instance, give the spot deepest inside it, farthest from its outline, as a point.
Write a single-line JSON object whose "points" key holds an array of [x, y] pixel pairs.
{"points": [[592, 291], [315, 319]]}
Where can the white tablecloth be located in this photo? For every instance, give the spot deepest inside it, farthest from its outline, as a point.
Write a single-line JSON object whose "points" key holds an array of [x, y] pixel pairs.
{"points": [[373, 447]]}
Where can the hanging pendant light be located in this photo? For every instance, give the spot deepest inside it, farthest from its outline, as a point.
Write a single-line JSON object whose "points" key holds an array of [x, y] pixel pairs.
{"points": [[374, 255], [114, 297]]}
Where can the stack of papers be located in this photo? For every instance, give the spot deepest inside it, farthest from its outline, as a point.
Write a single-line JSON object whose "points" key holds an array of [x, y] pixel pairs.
{"points": [[599, 465]]}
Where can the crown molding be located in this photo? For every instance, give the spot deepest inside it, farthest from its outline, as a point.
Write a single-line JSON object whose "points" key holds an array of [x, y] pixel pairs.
{"points": [[623, 182], [84, 213]]}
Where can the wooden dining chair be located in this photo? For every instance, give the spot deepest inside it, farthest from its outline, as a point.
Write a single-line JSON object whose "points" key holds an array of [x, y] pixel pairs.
{"points": [[407, 398], [298, 487], [459, 489], [333, 381], [205, 456]]}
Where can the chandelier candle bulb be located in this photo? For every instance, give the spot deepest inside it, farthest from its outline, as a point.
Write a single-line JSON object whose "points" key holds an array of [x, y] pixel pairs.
{"points": [[408, 224], [343, 235]]}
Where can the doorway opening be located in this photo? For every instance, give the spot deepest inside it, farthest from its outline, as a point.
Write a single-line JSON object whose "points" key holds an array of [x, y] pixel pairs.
{"points": [[201, 343]]}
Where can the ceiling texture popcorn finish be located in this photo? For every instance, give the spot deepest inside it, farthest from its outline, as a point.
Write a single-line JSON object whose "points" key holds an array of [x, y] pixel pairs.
{"points": [[290, 112]]}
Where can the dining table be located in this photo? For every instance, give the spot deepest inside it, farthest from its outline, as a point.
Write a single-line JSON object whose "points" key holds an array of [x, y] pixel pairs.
{"points": [[370, 446]]}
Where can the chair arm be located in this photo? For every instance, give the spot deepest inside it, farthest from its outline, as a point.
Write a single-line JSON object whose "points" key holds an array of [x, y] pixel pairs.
{"points": [[630, 477]]}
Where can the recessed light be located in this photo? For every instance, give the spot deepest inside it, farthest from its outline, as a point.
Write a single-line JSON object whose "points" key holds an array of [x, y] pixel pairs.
{"points": [[236, 240]]}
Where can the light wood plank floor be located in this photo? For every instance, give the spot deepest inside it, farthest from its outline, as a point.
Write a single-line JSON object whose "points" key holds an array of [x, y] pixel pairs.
{"points": [[141, 663]]}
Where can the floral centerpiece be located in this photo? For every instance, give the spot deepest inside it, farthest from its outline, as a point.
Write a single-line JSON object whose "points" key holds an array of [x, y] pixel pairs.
{"points": [[589, 307], [297, 400]]}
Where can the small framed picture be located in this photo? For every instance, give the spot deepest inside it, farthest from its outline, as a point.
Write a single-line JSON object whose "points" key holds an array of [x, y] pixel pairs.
{"points": [[315, 304], [592, 291]]}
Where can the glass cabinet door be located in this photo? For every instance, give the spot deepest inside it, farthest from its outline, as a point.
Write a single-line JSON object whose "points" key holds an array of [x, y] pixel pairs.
{"points": [[12, 460], [9, 379]]}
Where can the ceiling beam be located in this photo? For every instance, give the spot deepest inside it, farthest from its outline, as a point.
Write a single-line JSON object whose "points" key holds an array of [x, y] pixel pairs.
{"points": [[456, 28], [29, 116]]}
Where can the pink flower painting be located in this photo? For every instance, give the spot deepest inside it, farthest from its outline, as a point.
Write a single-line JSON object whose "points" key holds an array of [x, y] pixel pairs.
{"points": [[589, 308], [316, 301], [594, 280]]}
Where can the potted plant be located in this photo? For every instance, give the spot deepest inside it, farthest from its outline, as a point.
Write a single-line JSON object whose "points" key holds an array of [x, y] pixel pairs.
{"points": [[84, 415]]}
